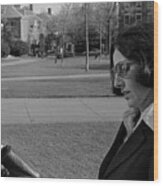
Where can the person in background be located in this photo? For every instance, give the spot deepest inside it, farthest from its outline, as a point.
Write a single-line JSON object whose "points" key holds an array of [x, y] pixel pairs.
{"points": [[55, 54], [131, 156]]}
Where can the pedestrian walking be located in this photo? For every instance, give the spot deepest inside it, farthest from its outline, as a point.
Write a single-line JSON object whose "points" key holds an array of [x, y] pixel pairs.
{"points": [[55, 54]]}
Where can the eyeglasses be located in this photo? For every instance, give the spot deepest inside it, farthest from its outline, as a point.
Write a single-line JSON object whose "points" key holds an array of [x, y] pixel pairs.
{"points": [[122, 68]]}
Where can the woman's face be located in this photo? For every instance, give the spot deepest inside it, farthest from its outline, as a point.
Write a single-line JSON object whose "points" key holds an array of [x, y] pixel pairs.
{"points": [[125, 77]]}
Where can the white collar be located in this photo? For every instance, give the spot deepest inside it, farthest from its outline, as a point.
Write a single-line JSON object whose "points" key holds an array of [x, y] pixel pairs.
{"points": [[148, 116]]}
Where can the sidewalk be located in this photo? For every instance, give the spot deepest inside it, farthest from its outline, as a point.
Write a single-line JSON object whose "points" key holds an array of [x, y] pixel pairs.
{"points": [[18, 61], [42, 111]]}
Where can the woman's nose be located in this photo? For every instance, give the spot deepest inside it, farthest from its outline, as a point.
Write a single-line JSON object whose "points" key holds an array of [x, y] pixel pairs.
{"points": [[118, 81]]}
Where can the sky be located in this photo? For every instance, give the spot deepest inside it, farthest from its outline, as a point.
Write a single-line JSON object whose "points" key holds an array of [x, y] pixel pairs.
{"points": [[38, 8], [43, 7]]}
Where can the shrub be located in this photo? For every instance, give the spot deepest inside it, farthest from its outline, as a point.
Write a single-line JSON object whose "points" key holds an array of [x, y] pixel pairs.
{"points": [[5, 49], [19, 48]]}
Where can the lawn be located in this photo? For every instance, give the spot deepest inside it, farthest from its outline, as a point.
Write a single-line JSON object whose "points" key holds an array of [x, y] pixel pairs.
{"points": [[47, 67], [59, 150], [69, 150], [82, 87]]}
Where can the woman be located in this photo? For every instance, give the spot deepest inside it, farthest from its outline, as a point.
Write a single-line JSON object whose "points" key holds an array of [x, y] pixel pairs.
{"points": [[131, 156]]}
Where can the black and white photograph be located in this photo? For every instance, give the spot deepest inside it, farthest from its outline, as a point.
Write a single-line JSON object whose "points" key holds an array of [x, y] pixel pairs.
{"points": [[77, 90]]}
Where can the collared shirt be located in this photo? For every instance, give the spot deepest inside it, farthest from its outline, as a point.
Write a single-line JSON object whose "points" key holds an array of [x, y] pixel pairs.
{"points": [[148, 116]]}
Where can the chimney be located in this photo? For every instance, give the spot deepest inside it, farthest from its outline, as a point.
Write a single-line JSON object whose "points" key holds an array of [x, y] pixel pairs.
{"points": [[31, 7], [49, 11], [17, 6]]}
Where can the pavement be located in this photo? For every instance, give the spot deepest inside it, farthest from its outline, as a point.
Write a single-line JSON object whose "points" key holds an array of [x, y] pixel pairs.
{"points": [[62, 110], [75, 76], [17, 61]]}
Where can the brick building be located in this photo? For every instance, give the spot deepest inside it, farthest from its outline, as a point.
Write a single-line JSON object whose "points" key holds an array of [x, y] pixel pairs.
{"points": [[126, 14], [135, 12]]}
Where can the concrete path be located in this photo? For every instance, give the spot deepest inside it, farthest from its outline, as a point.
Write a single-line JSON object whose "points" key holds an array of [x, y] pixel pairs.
{"points": [[42, 111], [19, 62], [76, 76]]}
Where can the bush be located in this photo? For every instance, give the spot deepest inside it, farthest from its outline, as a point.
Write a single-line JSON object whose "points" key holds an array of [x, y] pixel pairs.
{"points": [[5, 49], [19, 48]]}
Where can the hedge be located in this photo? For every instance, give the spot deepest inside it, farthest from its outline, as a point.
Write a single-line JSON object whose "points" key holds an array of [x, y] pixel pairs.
{"points": [[18, 48], [5, 49]]}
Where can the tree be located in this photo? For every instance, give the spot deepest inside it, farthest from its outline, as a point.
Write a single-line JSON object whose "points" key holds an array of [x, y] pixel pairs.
{"points": [[70, 21], [6, 32], [87, 36], [41, 44], [100, 16]]}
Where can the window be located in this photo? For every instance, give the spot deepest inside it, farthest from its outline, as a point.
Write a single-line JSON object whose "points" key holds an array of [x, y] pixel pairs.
{"points": [[138, 4], [126, 5], [126, 19], [150, 17], [149, 4], [138, 17], [13, 23], [138, 7]]}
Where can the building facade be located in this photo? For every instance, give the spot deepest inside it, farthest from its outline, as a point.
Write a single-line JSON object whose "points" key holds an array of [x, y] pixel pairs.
{"points": [[24, 23], [135, 12], [126, 14]]}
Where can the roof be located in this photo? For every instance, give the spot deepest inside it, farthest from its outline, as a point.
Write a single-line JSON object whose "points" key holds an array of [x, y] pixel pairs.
{"points": [[32, 17], [44, 16], [11, 12]]}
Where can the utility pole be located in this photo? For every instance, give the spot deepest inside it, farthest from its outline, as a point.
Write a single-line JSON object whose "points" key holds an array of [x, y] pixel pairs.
{"points": [[110, 26], [62, 47], [100, 30], [87, 37]]}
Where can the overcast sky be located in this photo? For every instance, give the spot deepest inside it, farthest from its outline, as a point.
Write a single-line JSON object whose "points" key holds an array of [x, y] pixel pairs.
{"points": [[38, 8], [43, 7]]}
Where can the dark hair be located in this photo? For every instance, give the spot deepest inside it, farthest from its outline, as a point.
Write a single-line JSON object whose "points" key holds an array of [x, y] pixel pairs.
{"points": [[137, 44]]}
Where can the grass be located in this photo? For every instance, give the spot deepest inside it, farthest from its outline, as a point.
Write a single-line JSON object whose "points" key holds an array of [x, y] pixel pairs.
{"points": [[71, 150], [59, 150], [47, 67], [89, 87]]}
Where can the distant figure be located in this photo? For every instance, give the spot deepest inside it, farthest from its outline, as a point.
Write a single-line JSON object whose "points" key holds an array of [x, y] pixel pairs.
{"points": [[55, 54], [37, 50], [97, 55], [33, 45], [41, 48], [61, 53]]}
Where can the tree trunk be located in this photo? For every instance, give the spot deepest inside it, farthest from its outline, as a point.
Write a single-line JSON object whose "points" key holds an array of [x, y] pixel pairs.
{"points": [[100, 43], [87, 37]]}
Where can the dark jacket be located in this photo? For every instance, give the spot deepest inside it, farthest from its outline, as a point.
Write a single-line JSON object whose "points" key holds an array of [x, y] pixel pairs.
{"points": [[134, 161]]}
